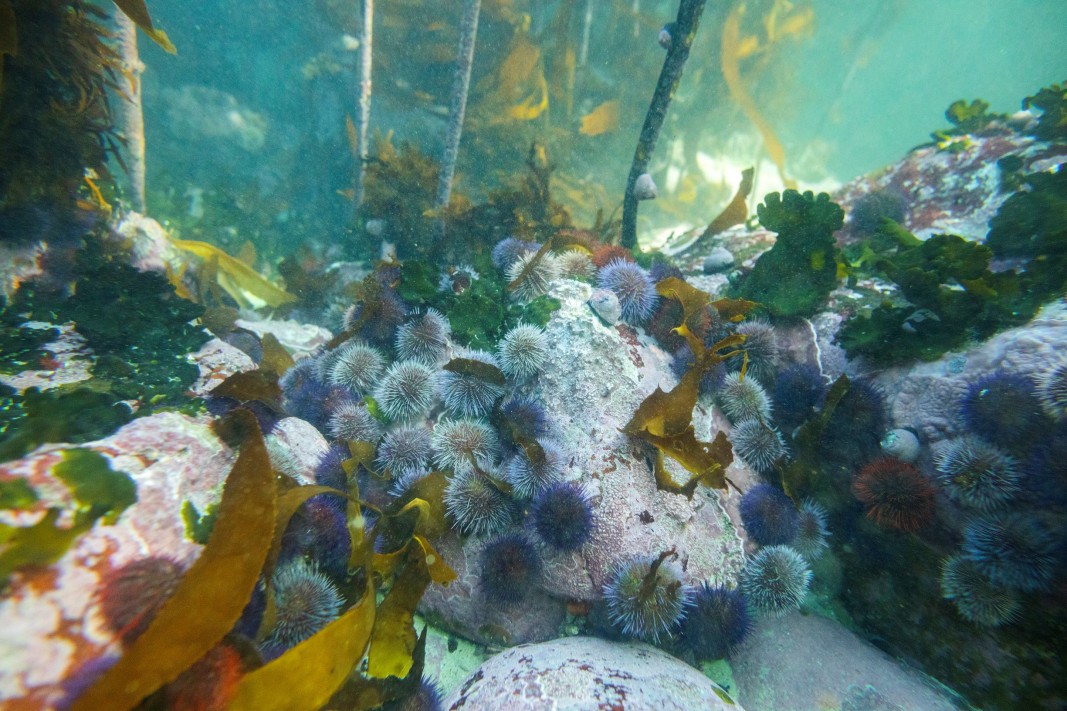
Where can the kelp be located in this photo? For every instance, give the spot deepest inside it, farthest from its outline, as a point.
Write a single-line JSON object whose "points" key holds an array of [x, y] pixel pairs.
{"points": [[802, 476], [243, 283], [476, 368], [252, 386], [736, 212], [212, 594], [137, 11], [99, 492], [664, 419], [393, 638], [1051, 125]]}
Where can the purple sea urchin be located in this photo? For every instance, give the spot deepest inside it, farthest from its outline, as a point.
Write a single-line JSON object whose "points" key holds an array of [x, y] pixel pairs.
{"points": [[769, 515], [522, 418], [467, 394], [562, 516], [352, 422], [634, 287], [812, 530], [716, 623], [975, 596], [407, 390], [1014, 550], [799, 391], [1003, 408], [522, 351], [456, 442], [530, 477], [510, 566], [977, 474], [475, 505], [776, 579], [405, 449], [424, 337], [509, 249], [646, 597], [319, 531], [355, 366], [305, 601], [758, 444], [743, 399]]}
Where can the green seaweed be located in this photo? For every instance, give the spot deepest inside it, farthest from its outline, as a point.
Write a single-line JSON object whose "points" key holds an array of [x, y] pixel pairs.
{"points": [[198, 526], [20, 345], [100, 493], [60, 415], [797, 275], [16, 494], [1051, 125]]}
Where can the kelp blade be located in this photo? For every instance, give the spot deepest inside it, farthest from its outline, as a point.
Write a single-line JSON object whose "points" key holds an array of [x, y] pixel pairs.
{"points": [[137, 11], [310, 673], [211, 596], [240, 281]]}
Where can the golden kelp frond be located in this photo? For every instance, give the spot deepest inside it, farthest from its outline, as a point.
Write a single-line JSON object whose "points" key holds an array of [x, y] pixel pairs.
{"points": [[800, 473], [706, 461], [603, 119], [393, 638], [732, 52], [252, 386], [476, 368], [212, 594], [240, 281], [736, 212], [137, 11]]}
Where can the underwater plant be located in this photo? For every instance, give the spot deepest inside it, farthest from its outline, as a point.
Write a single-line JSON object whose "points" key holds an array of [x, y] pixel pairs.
{"points": [[475, 505], [510, 566], [977, 474], [797, 275], [895, 494], [404, 449], [407, 391], [716, 623], [562, 516], [634, 287], [769, 516], [976, 598], [775, 580], [646, 597]]}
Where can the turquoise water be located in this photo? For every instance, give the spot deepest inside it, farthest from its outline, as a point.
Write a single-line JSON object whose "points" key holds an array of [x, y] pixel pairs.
{"points": [[628, 354]]}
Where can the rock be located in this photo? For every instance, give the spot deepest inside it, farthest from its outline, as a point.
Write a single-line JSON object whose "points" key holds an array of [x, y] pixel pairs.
{"points": [[50, 620], [588, 673], [149, 245], [719, 259], [299, 339], [217, 361], [18, 263], [606, 305], [595, 377], [811, 663], [902, 444], [69, 363], [295, 447]]}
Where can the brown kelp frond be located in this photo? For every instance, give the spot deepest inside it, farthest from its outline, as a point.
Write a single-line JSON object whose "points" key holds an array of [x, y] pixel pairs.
{"points": [[243, 283]]}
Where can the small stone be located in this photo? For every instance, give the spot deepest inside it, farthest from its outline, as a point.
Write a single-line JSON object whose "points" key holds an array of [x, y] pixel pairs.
{"points": [[718, 260], [645, 187], [605, 304], [902, 444]]}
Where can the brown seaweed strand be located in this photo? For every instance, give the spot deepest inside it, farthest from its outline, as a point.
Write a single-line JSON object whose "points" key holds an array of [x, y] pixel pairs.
{"points": [[682, 34], [130, 117], [366, 45], [461, 83]]}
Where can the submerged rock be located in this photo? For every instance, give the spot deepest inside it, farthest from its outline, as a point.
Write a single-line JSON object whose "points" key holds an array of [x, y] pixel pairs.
{"points": [[588, 673]]}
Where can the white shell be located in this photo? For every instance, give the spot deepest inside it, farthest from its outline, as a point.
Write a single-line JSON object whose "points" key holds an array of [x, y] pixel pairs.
{"points": [[902, 444], [645, 187], [606, 305]]}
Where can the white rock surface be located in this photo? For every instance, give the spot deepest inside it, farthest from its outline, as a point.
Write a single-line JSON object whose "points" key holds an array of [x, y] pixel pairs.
{"points": [[587, 674]]}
